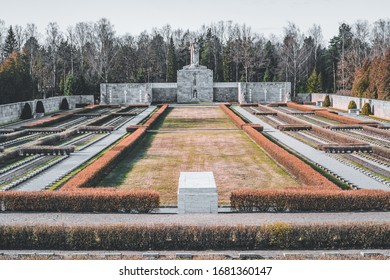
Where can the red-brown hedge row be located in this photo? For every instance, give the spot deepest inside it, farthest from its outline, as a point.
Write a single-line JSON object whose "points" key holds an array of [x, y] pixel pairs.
{"points": [[236, 119], [381, 151], [294, 165], [342, 119], [46, 122], [249, 200], [46, 130], [344, 148], [277, 104], [51, 150], [343, 126], [383, 132], [156, 115], [302, 107], [101, 200], [89, 175], [294, 127], [335, 136], [12, 135], [91, 128], [95, 170], [186, 237], [302, 171]]}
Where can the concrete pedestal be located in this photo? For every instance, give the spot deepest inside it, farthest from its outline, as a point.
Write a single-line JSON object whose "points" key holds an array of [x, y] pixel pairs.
{"points": [[194, 84], [197, 193]]}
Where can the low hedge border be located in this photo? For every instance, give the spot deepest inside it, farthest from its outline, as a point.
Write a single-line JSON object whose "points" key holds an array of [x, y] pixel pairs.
{"points": [[93, 172], [182, 237], [302, 171], [251, 200], [100, 200]]}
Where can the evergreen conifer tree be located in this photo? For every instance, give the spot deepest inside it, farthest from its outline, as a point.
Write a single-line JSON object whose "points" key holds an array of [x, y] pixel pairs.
{"points": [[172, 62], [10, 44]]}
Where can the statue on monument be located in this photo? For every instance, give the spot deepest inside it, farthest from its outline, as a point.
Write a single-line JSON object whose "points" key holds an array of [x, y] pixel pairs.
{"points": [[194, 48]]}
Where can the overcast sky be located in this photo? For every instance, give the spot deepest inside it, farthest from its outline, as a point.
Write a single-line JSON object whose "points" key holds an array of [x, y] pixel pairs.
{"points": [[135, 16]]}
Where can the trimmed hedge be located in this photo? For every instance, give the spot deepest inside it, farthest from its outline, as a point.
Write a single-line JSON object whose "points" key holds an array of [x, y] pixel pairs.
{"points": [[352, 104], [299, 200], [93, 172], [13, 135], [382, 132], [48, 150], [335, 136], [102, 200], [302, 107], [302, 171], [182, 237], [50, 121], [326, 101], [342, 119], [236, 119], [381, 151], [366, 109]]}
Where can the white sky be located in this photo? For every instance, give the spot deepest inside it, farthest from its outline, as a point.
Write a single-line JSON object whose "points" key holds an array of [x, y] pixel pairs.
{"points": [[135, 16]]}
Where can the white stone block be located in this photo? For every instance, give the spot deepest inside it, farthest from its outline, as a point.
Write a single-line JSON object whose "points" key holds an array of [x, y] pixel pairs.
{"points": [[197, 193]]}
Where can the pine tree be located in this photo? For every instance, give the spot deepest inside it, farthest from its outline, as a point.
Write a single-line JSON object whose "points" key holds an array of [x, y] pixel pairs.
{"points": [[227, 64], [314, 82], [267, 76], [10, 44], [68, 87], [172, 63]]}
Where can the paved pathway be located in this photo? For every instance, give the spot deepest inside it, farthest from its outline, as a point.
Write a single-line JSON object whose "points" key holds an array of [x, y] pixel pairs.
{"points": [[348, 173], [192, 219], [63, 168]]}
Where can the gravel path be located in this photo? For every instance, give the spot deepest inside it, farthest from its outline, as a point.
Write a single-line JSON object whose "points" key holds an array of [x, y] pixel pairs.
{"points": [[191, 219]]}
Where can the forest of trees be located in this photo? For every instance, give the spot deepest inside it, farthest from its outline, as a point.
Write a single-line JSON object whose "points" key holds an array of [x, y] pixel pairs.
{"points": [[356, 61]]}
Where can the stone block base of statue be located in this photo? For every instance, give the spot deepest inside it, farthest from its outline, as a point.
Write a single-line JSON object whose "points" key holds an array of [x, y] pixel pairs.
{"points": [[194, 84]]}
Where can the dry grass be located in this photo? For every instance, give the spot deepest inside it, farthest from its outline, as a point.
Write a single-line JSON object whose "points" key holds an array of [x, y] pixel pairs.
{"points": [[236, 161]]}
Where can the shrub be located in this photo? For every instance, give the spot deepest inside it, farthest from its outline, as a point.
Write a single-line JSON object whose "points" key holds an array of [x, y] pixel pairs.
{"points": [[366, 109], [326, 101], [309, 199], [187, 237], [102, 200], [352, 105]]}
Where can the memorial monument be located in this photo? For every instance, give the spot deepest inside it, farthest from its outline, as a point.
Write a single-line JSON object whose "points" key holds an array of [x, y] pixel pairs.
{"points": [[194, 81]]}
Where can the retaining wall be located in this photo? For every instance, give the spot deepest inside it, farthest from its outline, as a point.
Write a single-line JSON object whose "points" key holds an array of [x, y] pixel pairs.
{"points": [[13, 111], [380, 108]]}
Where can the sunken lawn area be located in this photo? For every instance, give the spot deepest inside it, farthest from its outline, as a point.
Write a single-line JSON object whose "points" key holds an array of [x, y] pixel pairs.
{"points": [[196, 139]]}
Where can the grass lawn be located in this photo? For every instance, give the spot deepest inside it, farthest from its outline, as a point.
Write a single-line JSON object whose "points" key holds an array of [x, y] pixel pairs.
{"points": [[196, 139]]}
